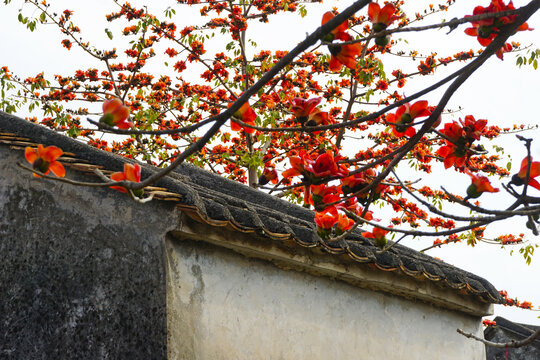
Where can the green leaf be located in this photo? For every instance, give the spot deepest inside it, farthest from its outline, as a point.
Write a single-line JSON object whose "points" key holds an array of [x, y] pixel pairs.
{"points": [[73, 132], [302, 10], [109, 33]]}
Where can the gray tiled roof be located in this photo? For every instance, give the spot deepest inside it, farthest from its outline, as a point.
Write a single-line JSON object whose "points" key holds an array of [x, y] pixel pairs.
{"points": [[506, 331], [220, 202]]}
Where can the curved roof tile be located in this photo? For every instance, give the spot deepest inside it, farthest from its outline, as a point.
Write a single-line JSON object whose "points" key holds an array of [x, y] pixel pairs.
{"points": [[219, 202]]}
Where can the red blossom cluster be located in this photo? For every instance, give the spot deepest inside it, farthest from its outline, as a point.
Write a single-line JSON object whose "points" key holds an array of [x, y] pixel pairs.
{"points": [[459, 139], [534, 171], [488, 29], [315, 169], [515, 302], [341, 54], [510, 239], [333, 184], [402, 120], [331, 222], [246, 115]]}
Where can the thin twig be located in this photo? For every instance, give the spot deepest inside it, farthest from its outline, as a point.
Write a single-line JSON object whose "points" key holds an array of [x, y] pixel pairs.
{"points": [[386, 248], [451, 24], [73, 182]]}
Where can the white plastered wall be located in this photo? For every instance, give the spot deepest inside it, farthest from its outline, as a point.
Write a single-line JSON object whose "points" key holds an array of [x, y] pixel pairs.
{"points": [[222, 305]]}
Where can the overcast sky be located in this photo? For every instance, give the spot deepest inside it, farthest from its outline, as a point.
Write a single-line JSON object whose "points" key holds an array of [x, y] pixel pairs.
{"points": [[499, 92]]}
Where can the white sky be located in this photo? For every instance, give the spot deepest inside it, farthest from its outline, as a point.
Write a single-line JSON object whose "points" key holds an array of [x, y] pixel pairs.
{"points": [[499, 92]]}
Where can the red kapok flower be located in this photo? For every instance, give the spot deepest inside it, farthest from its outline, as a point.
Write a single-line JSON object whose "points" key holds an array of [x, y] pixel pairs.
{"points": [[318, 192], [381, 18], [503, 49], [316, 118], [268, 175], [355, 183], [525, 305], [382, 85], [298, 166], [368, 215], [130, 173], [116, 114], [302, 108], [473, 128], [67, 44], [455, 150], [378, 235], [339, 32], [344, 55], [325, 222], [341, 54], [352, 205], [483, 30], [480, 184], [325, 165], [487, 29], [307, 112], [519, 178], [343, 224], [44, 160], [405, 115], [323, 194], [245, 114], [453, 131], [451, 156]]}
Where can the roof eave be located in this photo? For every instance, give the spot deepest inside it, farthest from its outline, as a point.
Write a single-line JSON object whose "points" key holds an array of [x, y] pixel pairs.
{"points": [[287, 255]]}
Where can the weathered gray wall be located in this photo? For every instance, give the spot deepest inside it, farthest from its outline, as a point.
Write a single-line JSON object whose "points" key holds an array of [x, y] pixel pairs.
{"points": [[224, 306], [82, 273]]}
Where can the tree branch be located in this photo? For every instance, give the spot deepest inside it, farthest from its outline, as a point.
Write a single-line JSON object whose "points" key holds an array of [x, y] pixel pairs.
{"points": [[510, 344]]}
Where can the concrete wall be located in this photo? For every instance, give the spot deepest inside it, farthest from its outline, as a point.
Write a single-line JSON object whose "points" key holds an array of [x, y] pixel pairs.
{"points": [[224, 306], [82, 273]]}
